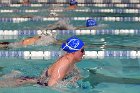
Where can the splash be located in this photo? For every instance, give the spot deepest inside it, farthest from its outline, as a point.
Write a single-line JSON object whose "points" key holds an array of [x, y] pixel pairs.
{"points": [[63, 24], [55, 7]]}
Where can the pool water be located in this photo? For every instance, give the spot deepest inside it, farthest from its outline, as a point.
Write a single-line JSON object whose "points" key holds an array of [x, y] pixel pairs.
{"points": [[115, 67]]}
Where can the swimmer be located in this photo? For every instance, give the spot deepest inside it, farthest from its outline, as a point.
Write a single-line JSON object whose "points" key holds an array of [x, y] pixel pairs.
{"points": [[63, 69], [25, 2], [64, 24], [44, 39], [73, 5], [15, 82]]}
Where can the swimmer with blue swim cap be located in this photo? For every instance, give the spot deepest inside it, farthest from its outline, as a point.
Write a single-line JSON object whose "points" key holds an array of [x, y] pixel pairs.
{"points": [[73, 2], [65, 66], [64, 69], [92, 24], [73, 5]]}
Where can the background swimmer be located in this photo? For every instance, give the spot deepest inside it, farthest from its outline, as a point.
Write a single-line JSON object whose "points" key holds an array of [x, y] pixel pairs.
{"points": [[15, 82], [63, 69], [73, 5], [43, 39], [25, 2], [64, 24]]}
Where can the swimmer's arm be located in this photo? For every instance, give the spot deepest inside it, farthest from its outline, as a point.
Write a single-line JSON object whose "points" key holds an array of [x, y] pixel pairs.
{"points": [[29, 41], [57, 75]]}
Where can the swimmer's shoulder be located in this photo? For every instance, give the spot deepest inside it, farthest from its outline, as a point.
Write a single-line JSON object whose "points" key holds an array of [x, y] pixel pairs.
{"points": [[61, 62]]}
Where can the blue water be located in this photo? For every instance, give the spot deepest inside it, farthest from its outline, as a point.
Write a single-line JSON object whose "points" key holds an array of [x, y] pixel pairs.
{"points": [[114, 67]]}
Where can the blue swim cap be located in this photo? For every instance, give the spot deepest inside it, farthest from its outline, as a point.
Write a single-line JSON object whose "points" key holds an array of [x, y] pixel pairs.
{"points": [[72, 44], [73, 2], [91, 22]]}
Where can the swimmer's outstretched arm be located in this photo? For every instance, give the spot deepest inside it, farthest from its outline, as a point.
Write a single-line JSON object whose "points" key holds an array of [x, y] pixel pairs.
{"points": [[14, 82], [25, 42], [30, 41]]}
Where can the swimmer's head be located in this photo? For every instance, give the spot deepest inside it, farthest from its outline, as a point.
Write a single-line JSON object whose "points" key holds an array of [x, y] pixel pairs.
{"points": [[91, 22], [73, 2], [72, 44]]}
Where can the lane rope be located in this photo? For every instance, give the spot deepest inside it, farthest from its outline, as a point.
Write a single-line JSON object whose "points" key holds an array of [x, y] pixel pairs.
{"points": [[55, 54], [38, 19]]}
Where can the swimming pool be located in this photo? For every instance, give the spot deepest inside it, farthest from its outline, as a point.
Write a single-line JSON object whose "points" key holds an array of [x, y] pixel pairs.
{"points": [[111, 64]]}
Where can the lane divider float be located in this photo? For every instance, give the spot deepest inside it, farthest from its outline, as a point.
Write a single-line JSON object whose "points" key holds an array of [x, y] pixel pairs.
{"points": [[56, 54]]}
